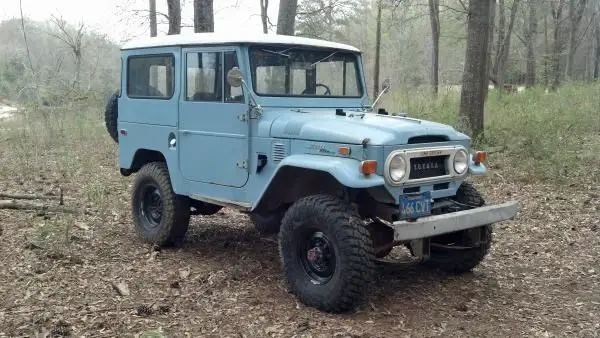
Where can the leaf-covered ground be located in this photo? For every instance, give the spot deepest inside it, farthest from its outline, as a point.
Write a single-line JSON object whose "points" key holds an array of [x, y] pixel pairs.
{"points": [[91, 276]]}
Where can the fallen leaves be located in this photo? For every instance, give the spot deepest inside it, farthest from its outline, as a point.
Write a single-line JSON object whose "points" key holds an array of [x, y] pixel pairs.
{"points": [[121, 287]]}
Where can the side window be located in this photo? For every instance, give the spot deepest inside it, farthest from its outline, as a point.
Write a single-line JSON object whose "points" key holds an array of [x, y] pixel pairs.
{"points": [[150, 76], [204, 76], [232, 94]]}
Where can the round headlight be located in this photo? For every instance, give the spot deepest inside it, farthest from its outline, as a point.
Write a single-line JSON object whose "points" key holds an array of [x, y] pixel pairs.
{"points": [[461, 162], [397, 168]]}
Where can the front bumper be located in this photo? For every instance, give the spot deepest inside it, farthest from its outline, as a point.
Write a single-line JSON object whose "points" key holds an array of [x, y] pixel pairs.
{"points": [[456, 221]]}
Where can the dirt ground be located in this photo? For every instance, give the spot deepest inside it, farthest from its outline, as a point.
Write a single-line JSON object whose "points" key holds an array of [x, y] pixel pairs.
{"points": [[60, 273]]}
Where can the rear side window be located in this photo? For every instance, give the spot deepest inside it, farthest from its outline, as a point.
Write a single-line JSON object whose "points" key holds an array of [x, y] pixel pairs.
{"points": [[150, 76]]}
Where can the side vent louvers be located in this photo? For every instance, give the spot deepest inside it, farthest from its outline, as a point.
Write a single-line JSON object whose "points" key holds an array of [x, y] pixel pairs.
{"points": [[278, 152]]}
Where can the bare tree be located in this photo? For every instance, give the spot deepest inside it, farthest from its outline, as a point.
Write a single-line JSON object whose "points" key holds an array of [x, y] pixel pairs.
{"points": [[286, 20], [434, 17], [488, 67], [576, 8], [174, 9], [475, 82], [73, 38], [204, 19], [503, 43], [597, 59], [25, 38], [557, 44], [377, 51], [152, 14], [264, 16], [529, 40]]}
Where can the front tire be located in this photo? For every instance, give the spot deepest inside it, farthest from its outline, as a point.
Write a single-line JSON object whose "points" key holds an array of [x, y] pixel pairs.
{"points": [[459, 252], [160, 216], [327, 253]]}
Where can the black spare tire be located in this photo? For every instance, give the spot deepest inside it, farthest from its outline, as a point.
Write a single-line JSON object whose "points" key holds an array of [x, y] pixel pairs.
{"points": [[111, 114]]}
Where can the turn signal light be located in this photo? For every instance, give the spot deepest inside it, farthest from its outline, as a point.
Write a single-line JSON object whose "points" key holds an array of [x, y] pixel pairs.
{"points": [[480, 157], [368, 167], [344, 151]]}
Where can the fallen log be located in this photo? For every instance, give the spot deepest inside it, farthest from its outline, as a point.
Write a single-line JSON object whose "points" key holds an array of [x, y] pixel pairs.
{"points": [[17, 205], [28, 197]]}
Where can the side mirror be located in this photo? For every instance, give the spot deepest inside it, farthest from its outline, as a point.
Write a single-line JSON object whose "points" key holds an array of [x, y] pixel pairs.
{"points": [[235, 77], [386, 85]]}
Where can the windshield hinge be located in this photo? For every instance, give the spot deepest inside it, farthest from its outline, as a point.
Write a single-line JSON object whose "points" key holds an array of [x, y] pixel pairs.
{"points": [[256, 112]]}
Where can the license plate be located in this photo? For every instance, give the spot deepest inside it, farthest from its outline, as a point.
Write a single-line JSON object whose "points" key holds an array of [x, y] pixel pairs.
{"points": [[415, 205]]}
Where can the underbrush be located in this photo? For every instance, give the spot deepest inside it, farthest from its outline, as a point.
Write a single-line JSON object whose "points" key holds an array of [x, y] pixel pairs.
{"points": [[53, 151], [533, 134]]}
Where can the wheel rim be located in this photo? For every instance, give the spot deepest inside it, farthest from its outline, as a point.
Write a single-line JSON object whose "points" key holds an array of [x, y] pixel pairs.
{"points": [[317, 256], [151, 206]]}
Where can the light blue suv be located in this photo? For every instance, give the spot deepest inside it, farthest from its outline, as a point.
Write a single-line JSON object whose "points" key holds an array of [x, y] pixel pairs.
{"points": [[281, 128]]}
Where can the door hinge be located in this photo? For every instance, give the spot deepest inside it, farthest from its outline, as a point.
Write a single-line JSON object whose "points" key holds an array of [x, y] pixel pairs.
{"points": [[242, 164]]}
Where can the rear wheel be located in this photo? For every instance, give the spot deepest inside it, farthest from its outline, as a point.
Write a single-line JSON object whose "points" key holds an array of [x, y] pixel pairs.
{"points": [[462, 251], [160, 216], [327, 253]]}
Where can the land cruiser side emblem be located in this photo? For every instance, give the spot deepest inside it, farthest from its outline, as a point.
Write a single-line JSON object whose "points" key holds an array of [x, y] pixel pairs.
{"points": [[320, 148]]}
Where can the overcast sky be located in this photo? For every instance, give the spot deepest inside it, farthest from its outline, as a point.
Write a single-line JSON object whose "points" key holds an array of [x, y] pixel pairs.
{"points": [[115, 17]]}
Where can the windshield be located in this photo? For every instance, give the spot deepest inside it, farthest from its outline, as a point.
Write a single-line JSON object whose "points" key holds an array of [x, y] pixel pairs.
{"points": [[292, 71]]}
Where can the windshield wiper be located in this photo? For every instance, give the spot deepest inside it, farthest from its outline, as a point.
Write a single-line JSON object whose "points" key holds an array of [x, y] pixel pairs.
{"points": [[323, 59], [278, 53]]}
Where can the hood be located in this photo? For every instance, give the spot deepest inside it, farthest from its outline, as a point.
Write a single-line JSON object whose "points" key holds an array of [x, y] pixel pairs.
{"points": [[353, 128]]}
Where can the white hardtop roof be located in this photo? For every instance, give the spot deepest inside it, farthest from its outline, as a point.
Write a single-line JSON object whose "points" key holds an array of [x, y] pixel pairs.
{"points": [[220, 38]]}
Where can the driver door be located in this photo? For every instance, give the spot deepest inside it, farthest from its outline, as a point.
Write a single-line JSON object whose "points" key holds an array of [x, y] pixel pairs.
{"points": [[213, 141]]}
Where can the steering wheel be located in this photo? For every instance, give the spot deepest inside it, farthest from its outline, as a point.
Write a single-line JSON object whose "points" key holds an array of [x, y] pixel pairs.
{"points": [[327, 90]]}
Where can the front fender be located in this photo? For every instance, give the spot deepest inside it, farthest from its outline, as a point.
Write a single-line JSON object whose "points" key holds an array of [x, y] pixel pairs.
{"points": [[344, 170]]}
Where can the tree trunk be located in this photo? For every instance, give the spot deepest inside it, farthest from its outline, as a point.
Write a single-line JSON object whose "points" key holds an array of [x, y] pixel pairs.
{"points": [[576, 8], [153, 33], [204, 20], [597, 61], [488, 66], [474, 81], [434, 16], [546, 53], [174, 9], [77, 54], [500, 37], [152, 13], [264, 6], [286, 20], [504, 51], [530, 39], [557, 46], [377, 51]]}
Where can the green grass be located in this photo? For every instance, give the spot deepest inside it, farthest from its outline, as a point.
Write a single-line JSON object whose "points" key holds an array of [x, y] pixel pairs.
{"points": [[546, 136]]}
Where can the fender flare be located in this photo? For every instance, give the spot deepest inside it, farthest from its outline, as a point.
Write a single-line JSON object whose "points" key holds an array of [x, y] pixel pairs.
{"points": [[344, 170]]}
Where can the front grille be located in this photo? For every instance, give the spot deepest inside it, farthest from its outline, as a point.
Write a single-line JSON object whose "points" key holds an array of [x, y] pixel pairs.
{"points": [[425, 167]]}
